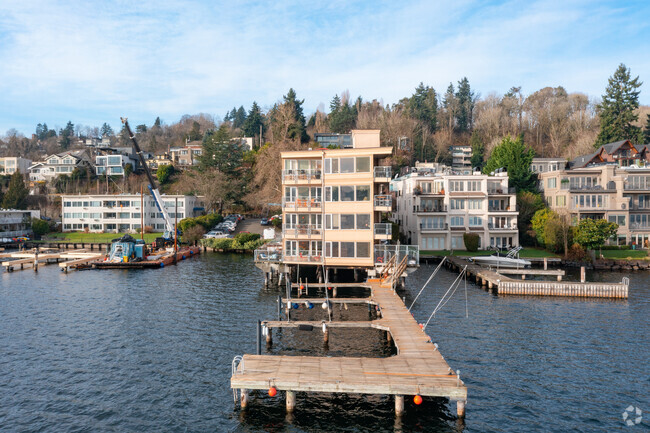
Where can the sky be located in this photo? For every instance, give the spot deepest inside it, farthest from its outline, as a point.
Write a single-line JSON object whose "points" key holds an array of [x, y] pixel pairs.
{"points": [[93, 61]]}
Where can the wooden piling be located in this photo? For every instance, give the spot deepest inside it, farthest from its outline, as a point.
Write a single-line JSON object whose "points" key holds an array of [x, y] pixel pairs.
{"points": [[460, 408], [399, 405], [269, 337], [244, 398], [291, 401]]}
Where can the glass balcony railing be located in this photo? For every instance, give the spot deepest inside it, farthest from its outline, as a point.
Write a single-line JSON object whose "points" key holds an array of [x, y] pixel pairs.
{"points": [[297, 202], [383, 253], [302, 230], [301, 175], [384, 229], [383, 201], [383, 172], [441, 226]]}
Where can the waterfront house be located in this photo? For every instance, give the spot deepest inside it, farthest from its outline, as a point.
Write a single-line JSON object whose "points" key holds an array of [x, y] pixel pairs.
{"points": [[10, 164], [16, 222]]}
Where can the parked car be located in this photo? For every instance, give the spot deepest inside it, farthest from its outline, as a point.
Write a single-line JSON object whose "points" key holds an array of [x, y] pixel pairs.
{"points": [[264, 222], [215, 234]]}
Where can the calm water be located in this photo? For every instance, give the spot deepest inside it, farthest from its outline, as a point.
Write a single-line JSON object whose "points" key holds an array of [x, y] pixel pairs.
{"points": [[151, 351]]}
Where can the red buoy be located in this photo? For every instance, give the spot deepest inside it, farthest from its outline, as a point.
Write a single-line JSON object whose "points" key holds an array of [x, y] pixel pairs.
{"points": [[329, 288], [421, 325], [272, 391], [417, 400], [302, 287]]}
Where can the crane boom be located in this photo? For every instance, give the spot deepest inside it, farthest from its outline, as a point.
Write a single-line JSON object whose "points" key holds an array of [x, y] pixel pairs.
{"points": [[169, 225]]}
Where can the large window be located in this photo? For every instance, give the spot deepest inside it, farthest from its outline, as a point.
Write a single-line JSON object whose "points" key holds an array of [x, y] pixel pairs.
{"points": [[347, 221], [457, 203], [363, 221], [363, 192], [347, 193], [363, 164], [347, 249], [347, 165], [457, 221], [475, 221]]}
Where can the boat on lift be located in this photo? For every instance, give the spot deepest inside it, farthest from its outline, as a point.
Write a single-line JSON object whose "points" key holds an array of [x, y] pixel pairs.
{"points": [[509, 260]]}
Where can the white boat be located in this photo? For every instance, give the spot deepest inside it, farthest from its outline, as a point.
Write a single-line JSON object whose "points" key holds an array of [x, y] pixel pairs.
{"points": [[509, 260]]}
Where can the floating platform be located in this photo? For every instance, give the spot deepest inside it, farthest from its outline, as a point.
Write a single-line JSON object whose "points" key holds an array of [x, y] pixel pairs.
{"points": [[167, 259], [418, 368]]}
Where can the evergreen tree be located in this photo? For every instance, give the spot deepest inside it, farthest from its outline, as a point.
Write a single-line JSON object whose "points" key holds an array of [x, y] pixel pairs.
{"points": [[157, 123], [297, 129], [646, 131], [516, 158], [239, 118], [141, 129], [423, 106], [221, 152], [253, 121], [16, 195], [465, 98], [342, 117], [618, 111], [106, 130], [478, 149], [65, 135], [450, 103], [195, 132]]}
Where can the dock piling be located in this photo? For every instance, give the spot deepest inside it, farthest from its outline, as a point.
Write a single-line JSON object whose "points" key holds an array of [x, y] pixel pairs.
{"points": [[259, 337], [460, 408], [399, 405], [269, 337], [291, 401], [583, 276], [244, 398]]}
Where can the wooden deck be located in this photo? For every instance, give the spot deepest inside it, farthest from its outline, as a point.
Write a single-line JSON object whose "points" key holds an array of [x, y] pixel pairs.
{"points": [[505, 285], [417, 369]]}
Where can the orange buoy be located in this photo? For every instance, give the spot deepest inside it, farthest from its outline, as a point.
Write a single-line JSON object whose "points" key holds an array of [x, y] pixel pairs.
{"points": [[302, 287], [329, 288], [421, 325], [417, 400], [272, 391]]}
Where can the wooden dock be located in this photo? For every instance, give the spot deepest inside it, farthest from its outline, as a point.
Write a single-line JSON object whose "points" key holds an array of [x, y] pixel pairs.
{"points": [[504, 285], [418, 369]]}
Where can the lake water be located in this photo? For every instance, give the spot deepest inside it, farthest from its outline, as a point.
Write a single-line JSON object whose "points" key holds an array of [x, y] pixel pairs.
{"points": [[151, 350]]}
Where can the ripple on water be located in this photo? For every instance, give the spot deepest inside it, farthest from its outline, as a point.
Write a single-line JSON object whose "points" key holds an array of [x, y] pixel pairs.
{"points": [[151, 351]]}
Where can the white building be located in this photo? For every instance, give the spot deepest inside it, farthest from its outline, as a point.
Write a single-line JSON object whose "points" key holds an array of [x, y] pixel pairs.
{"points": [[11, 164], [122, 213], [461, 158], [57, 164], [114, 164], [434, 209], [15, 222]]}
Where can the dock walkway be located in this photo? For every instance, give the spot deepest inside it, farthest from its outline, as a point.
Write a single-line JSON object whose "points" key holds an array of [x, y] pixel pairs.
{"points": [[505, 285], [417, 369]]}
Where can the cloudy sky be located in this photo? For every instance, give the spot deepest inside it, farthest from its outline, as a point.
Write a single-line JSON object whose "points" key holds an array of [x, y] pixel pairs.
{"points": [[94, 61]]}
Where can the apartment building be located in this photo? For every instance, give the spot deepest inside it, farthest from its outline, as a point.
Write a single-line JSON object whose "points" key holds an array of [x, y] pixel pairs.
{"points": [[436, 206], [16, 222], [333, 201], [186, 156], [123, 213], [114, 164], [461, 155], [11, 164]]}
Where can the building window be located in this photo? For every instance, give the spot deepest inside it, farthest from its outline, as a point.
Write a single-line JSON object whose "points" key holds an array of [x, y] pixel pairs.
{"points": [[475, 221], [551, 182], [363, 192], [347, 249], [457, 242], [347, 165], [457, 221], [457, 203], [347, 221], [363, 249], [363, 221], [347, 193], [363, 164]]}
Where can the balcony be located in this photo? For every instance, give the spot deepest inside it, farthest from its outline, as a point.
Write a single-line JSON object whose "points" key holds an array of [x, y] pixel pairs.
{"points": [[431, 209], [301, 176], [502, 226], [304, 257], [304, 204], [501, 191], [590, 188], [268, 254], [434, 227], [383, 203], [383, 231], [502, 208], [302, 231], [383, 174], [640, 226]]}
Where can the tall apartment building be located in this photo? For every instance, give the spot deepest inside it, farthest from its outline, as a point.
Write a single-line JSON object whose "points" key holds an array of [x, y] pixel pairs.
{"points": [[333, 200], [12, 164], [122, 213], [434, 208]]}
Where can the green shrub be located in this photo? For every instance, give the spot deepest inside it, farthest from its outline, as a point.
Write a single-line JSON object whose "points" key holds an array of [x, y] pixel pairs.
{"points": [[471, 241], [242, 238], [40, 227], [206, 221]]}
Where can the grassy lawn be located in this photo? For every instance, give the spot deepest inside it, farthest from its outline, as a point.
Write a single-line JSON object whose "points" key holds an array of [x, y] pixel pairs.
{"points": [[624, 254], [94, 237], [526, 252]]}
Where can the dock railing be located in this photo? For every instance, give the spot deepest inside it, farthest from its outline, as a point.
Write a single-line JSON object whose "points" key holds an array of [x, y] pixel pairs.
{"points": [[271, 254], [384, 253]]}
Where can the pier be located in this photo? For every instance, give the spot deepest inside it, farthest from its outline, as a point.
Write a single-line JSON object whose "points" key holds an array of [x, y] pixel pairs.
{"points": [[418, 369], [504, 285]]}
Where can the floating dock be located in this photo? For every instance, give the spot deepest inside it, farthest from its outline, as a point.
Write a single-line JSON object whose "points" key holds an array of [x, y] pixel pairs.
{"points": [[504, 285], [418, 369]]}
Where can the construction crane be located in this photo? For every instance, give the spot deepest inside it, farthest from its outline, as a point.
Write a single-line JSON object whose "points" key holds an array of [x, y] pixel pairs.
{"points": [[153, 189]]}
